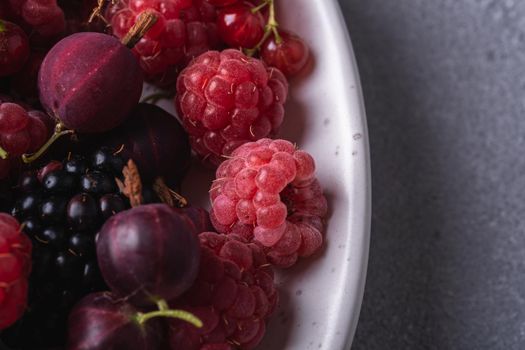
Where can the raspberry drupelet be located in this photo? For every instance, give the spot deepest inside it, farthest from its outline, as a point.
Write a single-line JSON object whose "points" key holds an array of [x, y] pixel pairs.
{"points": [[234, 295], [267, 192], [225, 99]]}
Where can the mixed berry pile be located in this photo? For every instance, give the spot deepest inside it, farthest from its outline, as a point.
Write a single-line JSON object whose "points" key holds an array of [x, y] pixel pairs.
{"points": [[98, 248]]}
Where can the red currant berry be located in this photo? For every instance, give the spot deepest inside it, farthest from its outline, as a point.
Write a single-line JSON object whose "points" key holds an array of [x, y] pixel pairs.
{"points": [[289, 56], [239, 27], [14, 48]]}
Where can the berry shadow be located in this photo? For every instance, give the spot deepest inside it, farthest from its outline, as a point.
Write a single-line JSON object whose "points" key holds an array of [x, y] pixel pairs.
{"points": [[281, 322], [294, 123], [197, 183]]}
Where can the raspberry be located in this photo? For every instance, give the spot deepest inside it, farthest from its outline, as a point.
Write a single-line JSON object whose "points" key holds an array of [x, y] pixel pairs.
{"points": [[184, 29], [267, 192], [15, 265], [226, 99], [233, 295]]}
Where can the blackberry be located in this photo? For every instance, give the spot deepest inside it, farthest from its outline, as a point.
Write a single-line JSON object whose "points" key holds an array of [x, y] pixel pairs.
{"points": [[62, 212], [6, 197]]}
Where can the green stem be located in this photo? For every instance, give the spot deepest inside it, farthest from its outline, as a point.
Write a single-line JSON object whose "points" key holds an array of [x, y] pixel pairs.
{"points": [[28, 158], [272, 23], [162, 305], [260, 7], [3, 153], [142, 318], [270, 28], [2, 26]]}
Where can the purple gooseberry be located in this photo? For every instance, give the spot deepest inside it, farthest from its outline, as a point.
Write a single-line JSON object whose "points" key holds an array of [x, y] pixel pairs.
{"points": [[148, 253]]}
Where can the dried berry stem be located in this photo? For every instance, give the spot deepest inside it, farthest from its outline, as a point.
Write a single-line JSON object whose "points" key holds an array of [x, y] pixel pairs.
{"points": [[97, 11], [59, 132], [167, 195], [145, 21], [132, 185]]}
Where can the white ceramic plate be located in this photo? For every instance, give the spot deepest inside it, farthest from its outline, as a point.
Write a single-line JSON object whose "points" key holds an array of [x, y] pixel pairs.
{"points": [[321, 297]]}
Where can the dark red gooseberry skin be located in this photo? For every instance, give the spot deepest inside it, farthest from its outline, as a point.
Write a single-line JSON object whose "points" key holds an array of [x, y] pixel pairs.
{"points": [[100, 321], [239, 27], [90, 82], [14, 48], [148, 253], [290, 56], [198, 216], [156, 141]]}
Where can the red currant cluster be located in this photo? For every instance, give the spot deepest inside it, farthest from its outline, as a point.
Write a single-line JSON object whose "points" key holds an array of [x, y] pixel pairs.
{"points": [[14, 46], [252, 25], [41, 17], [21, 131]]}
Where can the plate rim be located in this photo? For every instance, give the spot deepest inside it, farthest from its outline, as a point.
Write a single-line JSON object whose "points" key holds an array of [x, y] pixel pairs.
{"points": [[355, 284]]}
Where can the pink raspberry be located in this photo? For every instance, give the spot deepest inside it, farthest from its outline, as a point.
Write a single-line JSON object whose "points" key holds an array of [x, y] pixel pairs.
{"points": [[234, 295], [184, 29], [226, 99], [267, 192]]}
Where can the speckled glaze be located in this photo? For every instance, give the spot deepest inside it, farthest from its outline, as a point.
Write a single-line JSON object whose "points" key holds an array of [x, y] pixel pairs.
{"points": [[321, 296]]}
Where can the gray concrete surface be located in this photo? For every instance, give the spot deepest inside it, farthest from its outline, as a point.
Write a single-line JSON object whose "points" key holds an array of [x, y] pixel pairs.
{"points": [[444, 83]]}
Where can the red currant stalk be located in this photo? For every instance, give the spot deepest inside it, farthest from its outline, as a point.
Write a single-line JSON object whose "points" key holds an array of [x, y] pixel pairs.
{"points": [[165, 311], [3, 153], [59, 132], [271, 26]]}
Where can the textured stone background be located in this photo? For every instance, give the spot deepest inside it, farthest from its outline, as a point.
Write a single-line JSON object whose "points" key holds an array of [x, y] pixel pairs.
{"points": [[444, 84]]}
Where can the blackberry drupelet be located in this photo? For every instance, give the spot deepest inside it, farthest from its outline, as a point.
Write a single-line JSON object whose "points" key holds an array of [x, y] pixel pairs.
{"points": [[62, 213], [6, 197]]}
